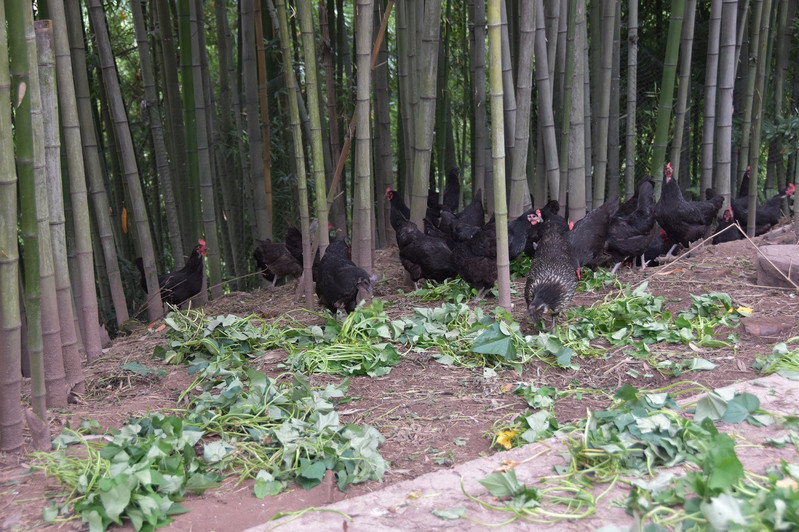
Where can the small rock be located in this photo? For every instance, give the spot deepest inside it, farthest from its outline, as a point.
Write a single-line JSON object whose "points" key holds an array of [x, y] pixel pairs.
{"points": [[776, 263], [764, 327]]}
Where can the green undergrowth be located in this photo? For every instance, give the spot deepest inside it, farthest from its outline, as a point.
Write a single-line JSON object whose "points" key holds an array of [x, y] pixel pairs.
{"points": [[636, 442]]}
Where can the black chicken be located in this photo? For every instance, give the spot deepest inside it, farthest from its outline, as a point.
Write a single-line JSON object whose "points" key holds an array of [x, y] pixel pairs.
{"points": [[339, 280], [518, 229], [587, 236], [659, 245], [630, 233], [553, 278], [275, 261], [547, 213], [766, 215], [475, 259], [726, 230], [179, 286], [684, 221], [452, 190], [423, 256], [398, 206]]}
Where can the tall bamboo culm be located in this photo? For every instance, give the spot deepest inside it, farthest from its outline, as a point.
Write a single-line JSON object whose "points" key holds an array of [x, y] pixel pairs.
{"points": [[10, 323]]}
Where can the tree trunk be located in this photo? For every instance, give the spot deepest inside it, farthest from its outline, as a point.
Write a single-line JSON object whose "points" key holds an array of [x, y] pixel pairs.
{"points": [[632, 98], [176, 132], [10, 325], [153, 114], [231, 150], [384, 161], [567, 77], [746, 127]]}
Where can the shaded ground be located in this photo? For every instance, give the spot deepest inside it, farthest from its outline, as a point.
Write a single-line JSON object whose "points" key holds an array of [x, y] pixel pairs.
{"points": [[434, 417]]}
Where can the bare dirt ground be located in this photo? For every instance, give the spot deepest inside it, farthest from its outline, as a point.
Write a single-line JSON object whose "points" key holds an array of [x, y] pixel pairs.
{"points": [[432, 416]]}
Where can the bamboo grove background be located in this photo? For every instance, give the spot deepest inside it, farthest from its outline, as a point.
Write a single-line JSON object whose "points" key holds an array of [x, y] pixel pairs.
{"points": [[135, 127]]}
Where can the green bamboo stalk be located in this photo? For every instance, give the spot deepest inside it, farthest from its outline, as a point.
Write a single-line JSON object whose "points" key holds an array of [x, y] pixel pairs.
{"points": [[757, 110], [481, 145], [45, 46], [424, 119], [362, 247], [153, 116], [10, 324], [262, 223], [131, 172], [519, 191], [684, 84], [85, 293], [93, 173], [315, 116], [566, 108], [727, 54], [23, 140], [577, 130], [667, 92], [546, 114], [749, 97], [299, 153], [711, 83], [205, 180], [495, 77], [632, 100], [173, 111], [603, 105], [187, 82]]}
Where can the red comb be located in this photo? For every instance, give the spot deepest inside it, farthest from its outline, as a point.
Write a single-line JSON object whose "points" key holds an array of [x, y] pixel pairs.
{"points": [[201, 242]]}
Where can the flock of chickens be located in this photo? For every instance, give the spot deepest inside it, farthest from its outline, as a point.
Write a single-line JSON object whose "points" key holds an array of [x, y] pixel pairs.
{"points": [[462, 243]]}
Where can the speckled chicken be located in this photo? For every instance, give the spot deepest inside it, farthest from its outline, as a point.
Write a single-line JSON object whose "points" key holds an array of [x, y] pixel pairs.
{"points": [[553, 277]]}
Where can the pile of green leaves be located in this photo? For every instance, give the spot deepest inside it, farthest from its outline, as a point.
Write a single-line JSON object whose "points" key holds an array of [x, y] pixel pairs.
{"points": [[139, 475], [242, 422], [636, 318], [356, 346], [639, 433], [782, 360]]}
